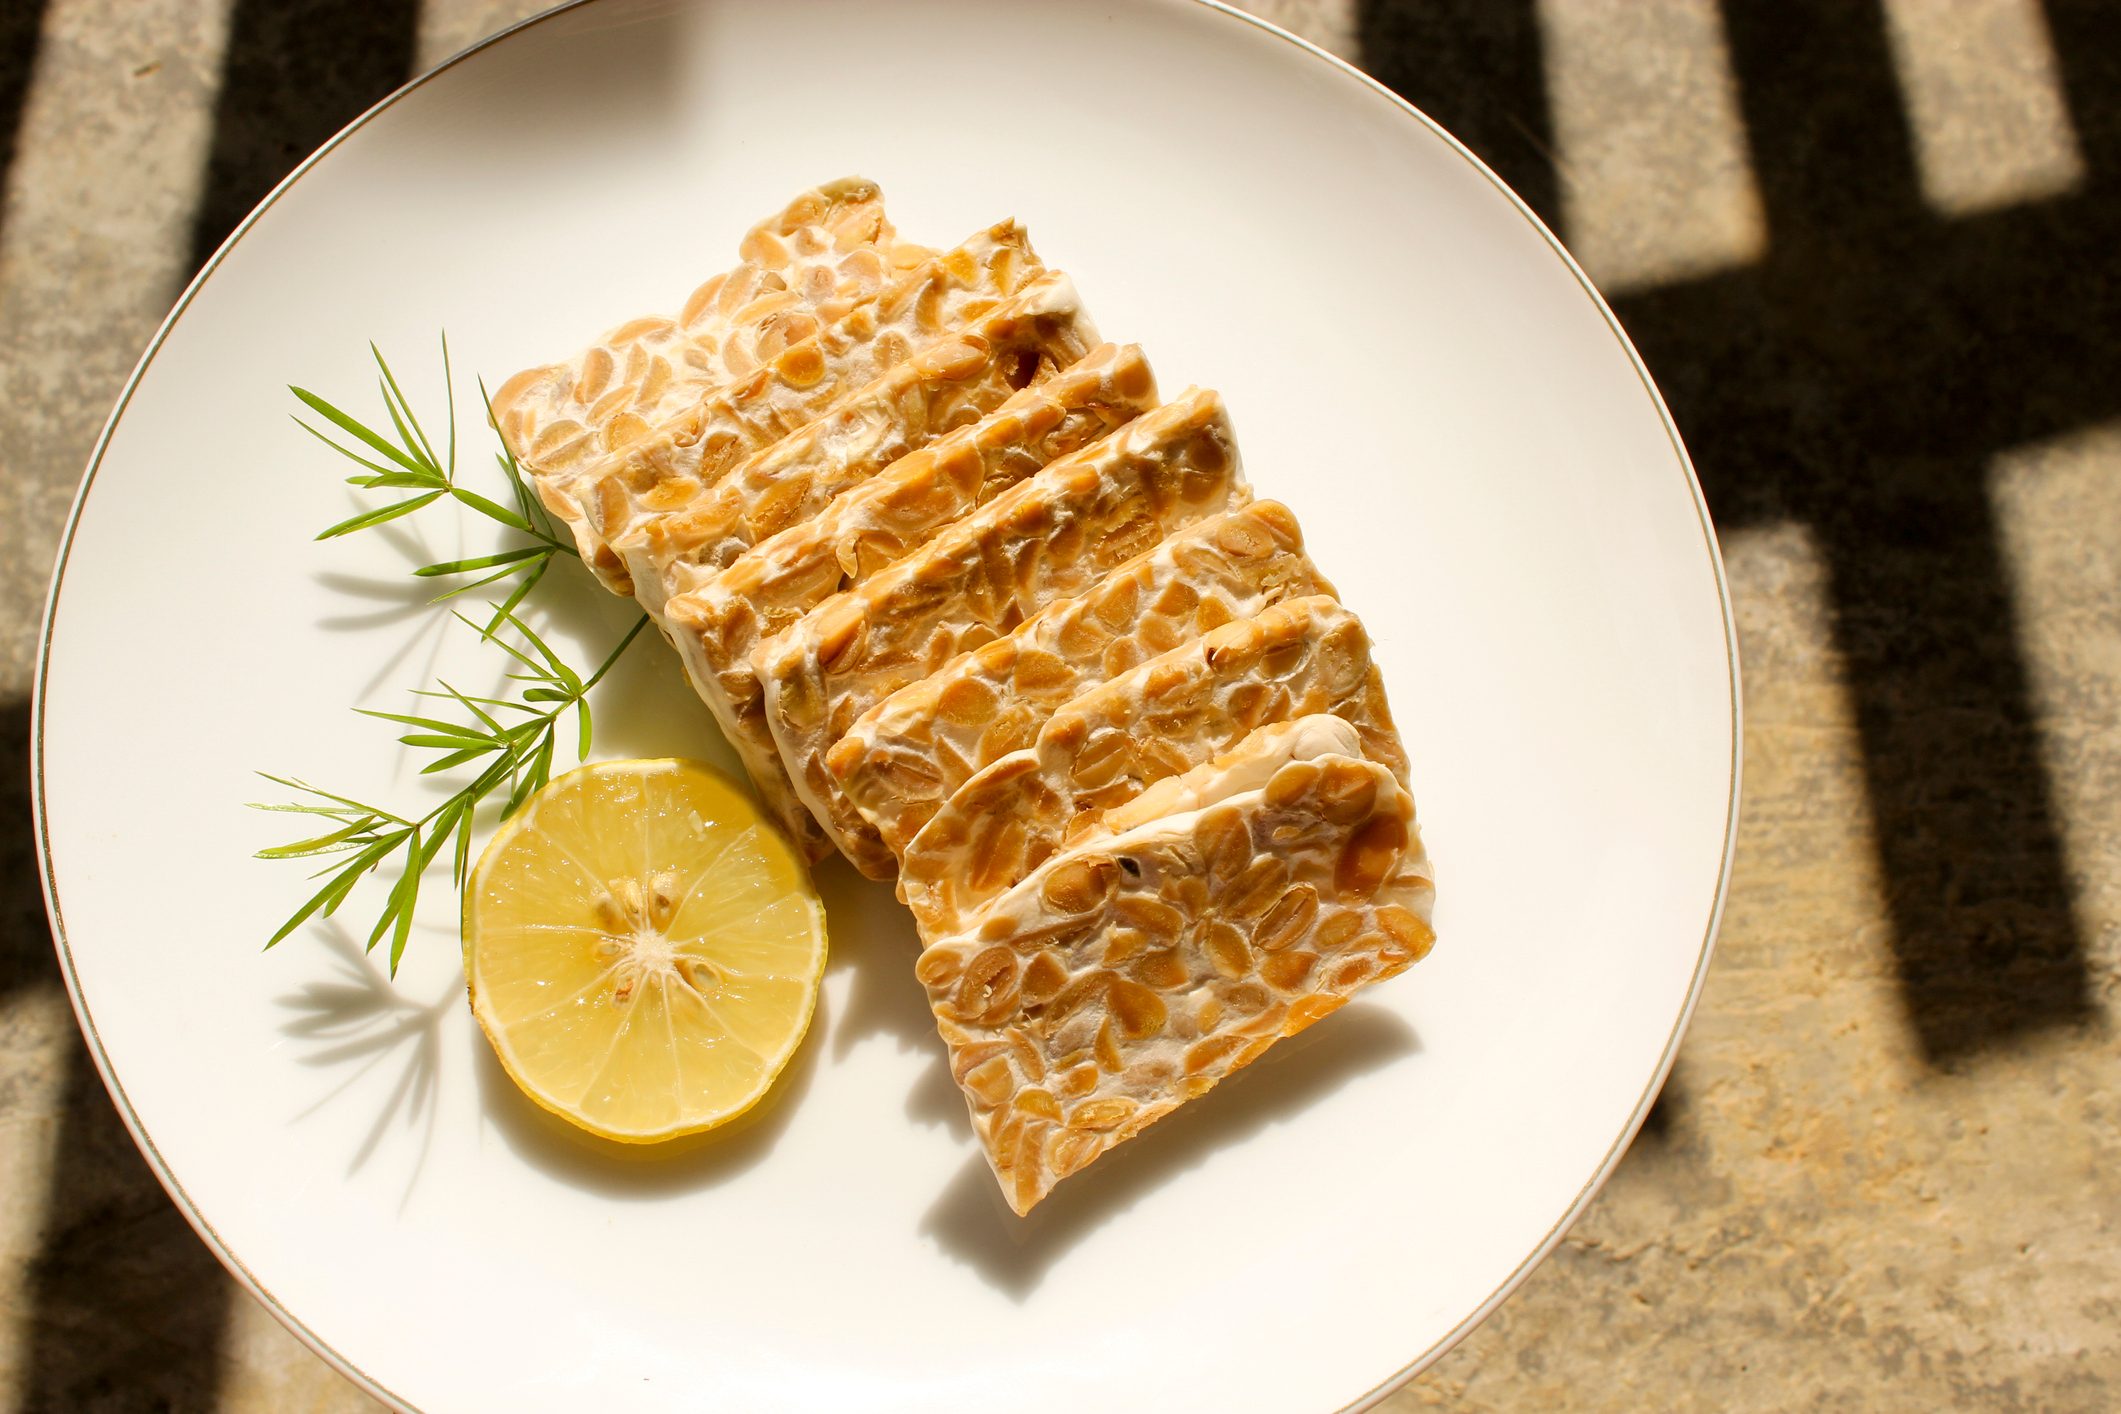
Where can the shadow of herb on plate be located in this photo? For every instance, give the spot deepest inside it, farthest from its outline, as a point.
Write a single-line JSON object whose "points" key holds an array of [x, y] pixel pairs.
{"points": [[396, 601], [356, 1017]]}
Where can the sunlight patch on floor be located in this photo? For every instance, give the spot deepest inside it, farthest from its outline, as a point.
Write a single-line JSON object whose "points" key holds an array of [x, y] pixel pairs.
{"points": [[94, 233], [1656, 181], [1985, 102]]}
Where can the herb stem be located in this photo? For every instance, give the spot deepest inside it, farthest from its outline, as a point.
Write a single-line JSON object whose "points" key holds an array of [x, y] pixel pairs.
{"points": [[520, 751]]}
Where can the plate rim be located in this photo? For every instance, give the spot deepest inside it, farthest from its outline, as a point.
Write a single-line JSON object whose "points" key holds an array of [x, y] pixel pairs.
{"points": [[1437, 1348]]}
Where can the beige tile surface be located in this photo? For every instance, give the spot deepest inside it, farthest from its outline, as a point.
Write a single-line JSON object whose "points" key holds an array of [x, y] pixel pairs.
{"points": [[1869, 253]]}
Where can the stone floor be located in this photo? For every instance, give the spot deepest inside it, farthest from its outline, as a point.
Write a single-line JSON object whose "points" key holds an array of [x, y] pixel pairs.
{"points": [[1871, 250]]}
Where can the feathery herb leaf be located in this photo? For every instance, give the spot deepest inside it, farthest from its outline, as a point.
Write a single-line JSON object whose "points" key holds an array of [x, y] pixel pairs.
{"points": [[517, 754], [413, 467]]}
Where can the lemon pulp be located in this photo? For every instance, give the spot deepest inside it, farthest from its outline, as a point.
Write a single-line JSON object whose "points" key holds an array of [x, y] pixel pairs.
{"points": [[642, 949]]}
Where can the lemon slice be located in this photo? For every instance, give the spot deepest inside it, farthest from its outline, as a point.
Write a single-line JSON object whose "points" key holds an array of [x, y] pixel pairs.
{"points": [[642, 948]]}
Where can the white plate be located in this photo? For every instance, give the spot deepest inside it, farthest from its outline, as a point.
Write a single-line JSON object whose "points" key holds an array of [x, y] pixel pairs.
{"points": [[1481, 464]]}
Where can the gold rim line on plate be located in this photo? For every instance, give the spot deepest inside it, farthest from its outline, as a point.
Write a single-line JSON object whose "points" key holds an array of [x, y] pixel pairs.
{"points": [[1369, 1398]]}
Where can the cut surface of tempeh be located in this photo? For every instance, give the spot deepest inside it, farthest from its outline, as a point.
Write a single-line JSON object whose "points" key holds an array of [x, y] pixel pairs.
{"points": [[1048, 538], [1161, 719], [802, 269], [1125, 977], [621, 493], [949, 383], [716, 626], [902, 759]]}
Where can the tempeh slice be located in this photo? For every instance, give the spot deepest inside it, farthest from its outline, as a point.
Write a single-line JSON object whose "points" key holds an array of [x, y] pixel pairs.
{"points": [[950, 383], [1126, 977], [717, 626], [665, 470], [804, 268], [1161, 719], [1247, 766], [902, 759], [1046, 539]]}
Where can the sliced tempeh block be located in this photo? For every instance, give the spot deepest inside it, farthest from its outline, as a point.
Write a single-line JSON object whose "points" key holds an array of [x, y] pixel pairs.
{"points": [[950, 383], [1161, 719], [1130, 975], [666, 469], [804, 268], [716, 626], [905, 756], [1046, 539]]}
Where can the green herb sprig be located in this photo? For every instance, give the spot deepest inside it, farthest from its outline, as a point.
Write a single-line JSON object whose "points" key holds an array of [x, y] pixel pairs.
{"points": [[414, 468], [510, 741]]}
